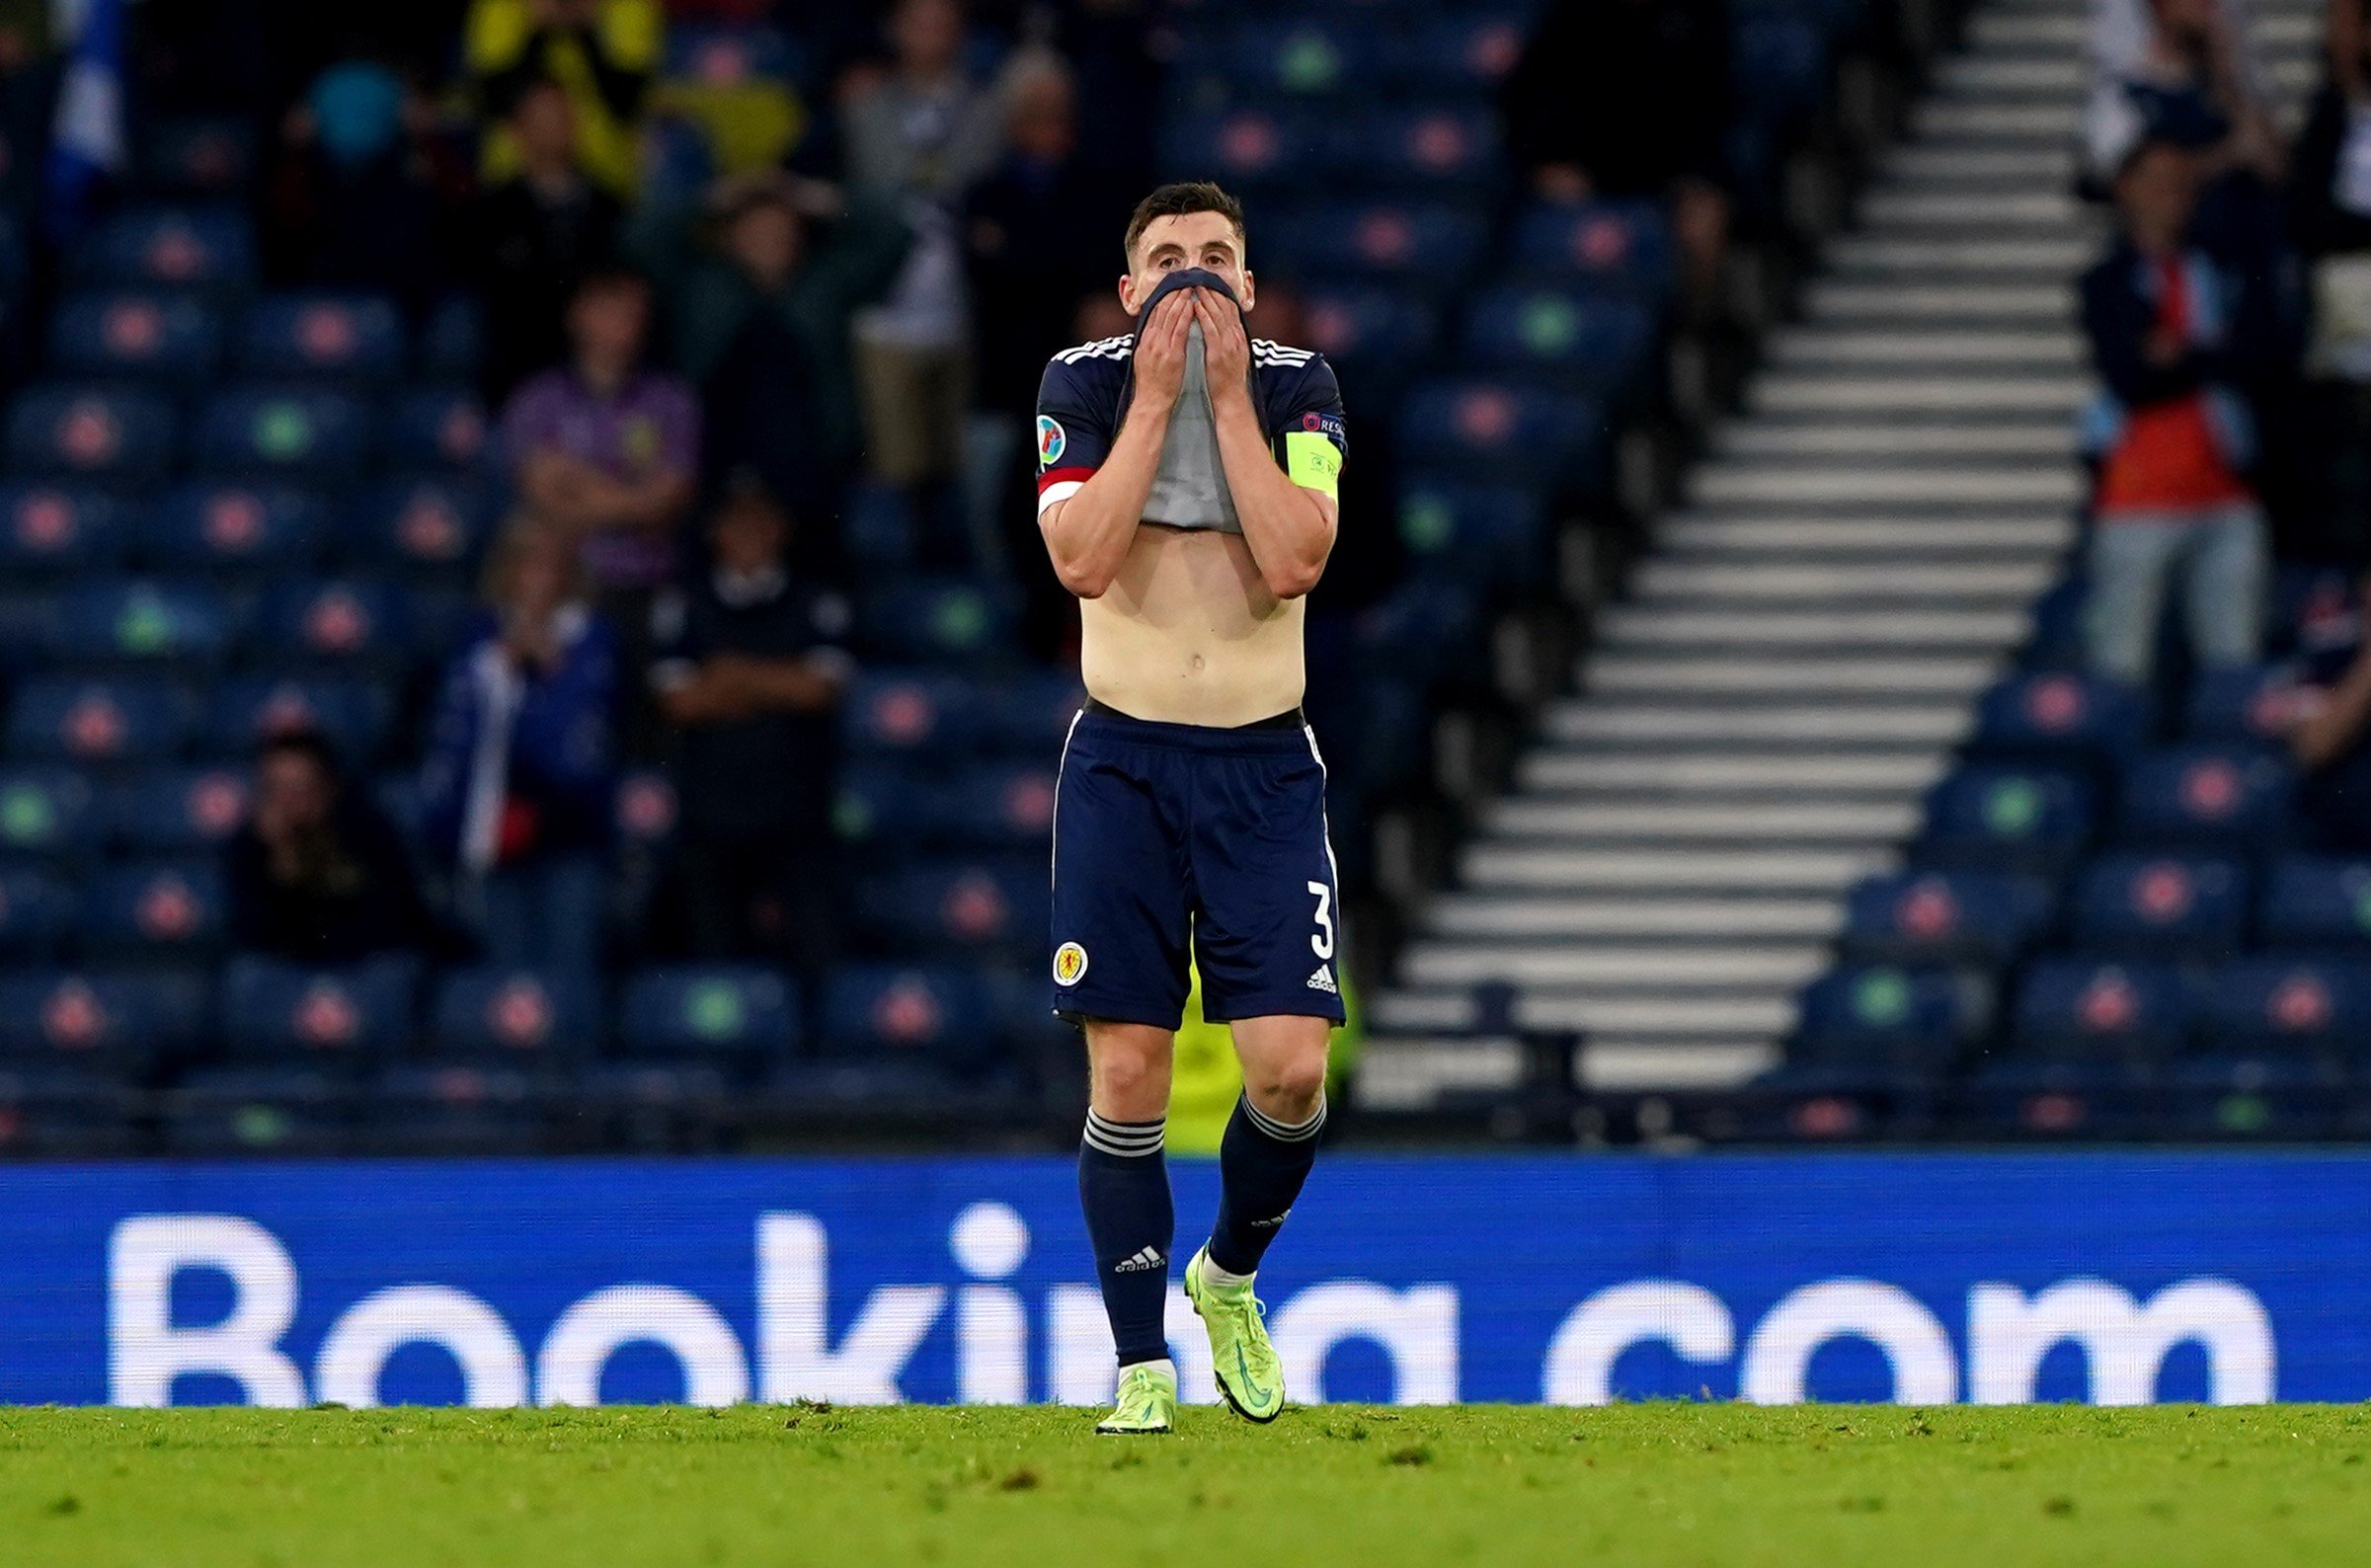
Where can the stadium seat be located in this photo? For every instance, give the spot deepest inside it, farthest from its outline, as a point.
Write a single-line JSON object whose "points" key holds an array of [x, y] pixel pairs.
{"points": [[1426, 629], [2314, 609], [136, 337], [2205, 797], [1310, 55], [66, 1113], [341, 620], [1943, 916], [45, 812], [928, 1013], [454, 1109], [1814, 1102], [37, 913], [2057, 714], [420, 524], [177, 810], [1511, 434], [2058, 640], [100, 1022], [353, 715], [1461, 49], [2061, 1099], [208, 247], [517, 1017], [181, 623], [990, 905], [885, 808], [730, 1014], [2006, 816], [291, 432], [1598, 347], [999, 808], [73, 719], [2238, 705], [2083, 1007], [1472, 530], [2316, 903], [230, 1112], [436, 428], [341, 1017], [60, 528], [2160, 906], [2236, 1096], [654, 1107], [1435, 145], [91, 431], [1616, 247], [166, 910], [937, 621], [1911, 1017], [1421, 245], [1371, 334], [1028, 715], [453, 342], [646, 807], [1251, 148], [905, 714], [2279, 1003], [724, 53], [230, 526], [203, 156], [348, 338]]}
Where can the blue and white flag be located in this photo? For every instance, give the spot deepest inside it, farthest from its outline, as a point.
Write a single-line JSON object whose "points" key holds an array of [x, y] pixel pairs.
{"points": [[86, 138]]}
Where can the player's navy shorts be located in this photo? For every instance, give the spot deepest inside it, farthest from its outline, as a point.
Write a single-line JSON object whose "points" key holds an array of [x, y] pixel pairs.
{"points": [[1178, 838]]}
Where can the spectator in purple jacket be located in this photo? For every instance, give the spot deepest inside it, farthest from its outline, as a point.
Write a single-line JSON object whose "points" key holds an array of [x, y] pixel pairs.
{"points": [[606, 448]]}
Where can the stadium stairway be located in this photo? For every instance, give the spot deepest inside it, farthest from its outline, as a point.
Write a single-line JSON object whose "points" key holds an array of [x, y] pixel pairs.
{"points": [[1800, 650]]}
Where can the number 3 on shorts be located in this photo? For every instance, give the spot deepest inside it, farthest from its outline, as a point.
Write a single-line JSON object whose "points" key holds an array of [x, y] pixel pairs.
{"points": [[1322, 942]]}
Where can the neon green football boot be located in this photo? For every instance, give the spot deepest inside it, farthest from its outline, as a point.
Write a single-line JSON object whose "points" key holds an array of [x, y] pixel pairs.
{"points": [[1148, 1403], [1250, 1377]]}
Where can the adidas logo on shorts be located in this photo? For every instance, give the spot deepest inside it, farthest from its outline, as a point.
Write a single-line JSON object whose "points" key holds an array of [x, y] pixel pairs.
{"points": [[1146, 1259], [1323, 980]]}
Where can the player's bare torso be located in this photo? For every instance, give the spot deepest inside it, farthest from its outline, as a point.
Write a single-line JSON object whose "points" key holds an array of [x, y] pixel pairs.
{"points": [[1189, 634]]}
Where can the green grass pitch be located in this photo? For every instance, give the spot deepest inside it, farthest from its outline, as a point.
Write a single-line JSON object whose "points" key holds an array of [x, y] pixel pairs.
{"points": [[1715, 1484]]}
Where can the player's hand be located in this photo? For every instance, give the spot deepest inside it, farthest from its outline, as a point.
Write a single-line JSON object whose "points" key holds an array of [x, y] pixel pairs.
{"points": [[1160, 350], [1225, 348]]}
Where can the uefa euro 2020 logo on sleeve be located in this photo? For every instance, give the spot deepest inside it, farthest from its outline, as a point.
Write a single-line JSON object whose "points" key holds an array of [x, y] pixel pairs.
{"points": [[1050, 440]]}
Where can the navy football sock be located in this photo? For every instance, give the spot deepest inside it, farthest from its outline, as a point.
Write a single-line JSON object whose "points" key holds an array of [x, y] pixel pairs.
{"points": [[1124, 1187], [1262, 1164]]}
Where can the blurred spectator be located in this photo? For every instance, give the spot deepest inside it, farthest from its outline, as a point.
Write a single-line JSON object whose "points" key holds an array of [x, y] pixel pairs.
{"points": [[603, 53], [750, 666], [604, 448], [521, 758], [918, 137], [759, 322], [2178, 70], [316, 875], [2173, 334], [356, 199], [1038, 231], [2329, 207], [2331, 735], [1631, 97], [538, 234]]}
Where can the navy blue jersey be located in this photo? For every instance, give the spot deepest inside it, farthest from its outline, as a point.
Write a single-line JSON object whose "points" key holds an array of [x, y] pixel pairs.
{"points": [[1086, 391]]}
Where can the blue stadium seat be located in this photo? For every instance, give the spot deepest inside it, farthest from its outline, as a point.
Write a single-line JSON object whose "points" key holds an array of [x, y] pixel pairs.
{"points": [[1251, 148], [903, 714], [182, 622], [726, 54], [2252, 704], [993, 905], [1460, 49], [2284, 1004], [56, 529], [2314, 609], [453, 342], [2211, 798], [1617, 247], [295, 432], [2277, 1099], [1371, 334], [1436, 145], [1028, 715], [169, 910], [1816, 1102], [232, 526], [2316, 902], [236, 1112], [999, 808], [1425, 246], [733, 1014], [196, 246], [2062, 1098], [2053, 713], [37, 913], [1306, 56], [119, 1021], [196, 156], [72, 719], [2160, 906], [2005, 816], [142, 337], [1595, 347], [45, 812], [515, 1016], [456, 1109], [436, 428], [349, 337], [937, 620], [2080, 1007], [886, 807], [91, 431], [1510, 433], [2058, 640], [177, 810], [1908, 1016], [1939, 916], [880, 525], [422, 525], [338, 620], [647, 808], [352, 714], [66, 1113], [1425, 630], [654, 1107], [929, 1013], [1780, 65], [339, 1017], [1474, 531]]}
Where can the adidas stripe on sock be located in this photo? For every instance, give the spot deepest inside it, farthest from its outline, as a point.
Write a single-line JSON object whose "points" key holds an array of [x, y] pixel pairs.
{"points": [[1283, 1131], [1126, 1139]]}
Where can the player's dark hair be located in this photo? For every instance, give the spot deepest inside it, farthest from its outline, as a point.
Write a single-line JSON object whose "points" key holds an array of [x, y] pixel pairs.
{"points": [[1175, 202]]}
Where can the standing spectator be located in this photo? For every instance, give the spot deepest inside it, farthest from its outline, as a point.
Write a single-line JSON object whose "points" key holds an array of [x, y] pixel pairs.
{"points": [[538, 234], [356, 199], [521, 760], [750, 666], [603, 55], [2330, 209], [760, 324], [2330, 732], [918, 137], [2178, 70], [604, 448], [315, 876], [2175, 336], [1631, 97]]}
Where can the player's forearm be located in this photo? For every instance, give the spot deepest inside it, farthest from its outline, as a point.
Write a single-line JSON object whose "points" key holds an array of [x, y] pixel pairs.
{"points": [[1087, 536], [1289, 530]]}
